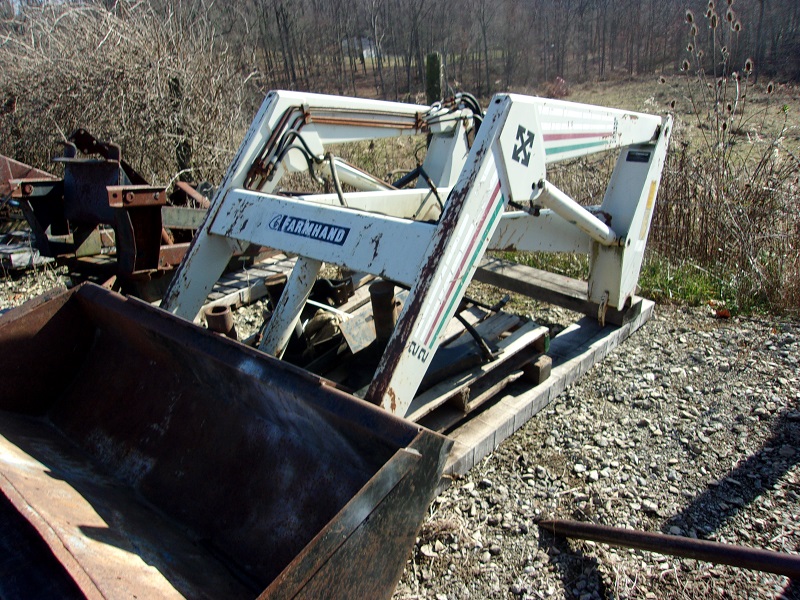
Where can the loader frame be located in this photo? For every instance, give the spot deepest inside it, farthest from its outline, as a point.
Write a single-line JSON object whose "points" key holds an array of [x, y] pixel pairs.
{"points": [[430, 238]]}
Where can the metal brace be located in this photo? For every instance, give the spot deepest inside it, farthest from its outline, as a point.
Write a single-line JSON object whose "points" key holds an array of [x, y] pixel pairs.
{"points": [[602, 308]]}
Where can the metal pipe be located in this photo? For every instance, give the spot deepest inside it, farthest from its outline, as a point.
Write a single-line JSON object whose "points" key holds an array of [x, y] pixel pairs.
{"points": [[220, 319], [381, 294], [565, 207], [361, 180], [715, 552], [401, 124]]}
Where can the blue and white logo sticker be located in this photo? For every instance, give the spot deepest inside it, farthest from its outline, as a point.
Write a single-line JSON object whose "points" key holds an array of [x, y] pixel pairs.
{"points": [[322, 232]]}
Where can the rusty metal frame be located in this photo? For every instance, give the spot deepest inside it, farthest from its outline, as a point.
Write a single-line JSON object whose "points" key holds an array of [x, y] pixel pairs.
{"points": [[294, 488], [99, 188]]}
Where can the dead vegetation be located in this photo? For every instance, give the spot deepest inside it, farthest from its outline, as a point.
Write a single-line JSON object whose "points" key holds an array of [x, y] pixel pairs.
{"points": [[163, 87], [730, 195], [167, 88]]}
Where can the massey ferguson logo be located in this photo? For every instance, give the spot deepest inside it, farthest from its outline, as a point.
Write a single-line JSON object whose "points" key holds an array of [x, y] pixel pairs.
{"points": [[523, 147], [322, 232]]}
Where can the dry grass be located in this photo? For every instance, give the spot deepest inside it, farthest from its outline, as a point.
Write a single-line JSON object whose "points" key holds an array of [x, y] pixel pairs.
{"points": [[157, 84], [727, 222]]}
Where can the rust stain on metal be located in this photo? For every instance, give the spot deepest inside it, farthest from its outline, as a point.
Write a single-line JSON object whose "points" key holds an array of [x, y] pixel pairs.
{"points": [[312, 477], [130, 196], [715, 552], [192, 193], [11, 169], [405, 325]]}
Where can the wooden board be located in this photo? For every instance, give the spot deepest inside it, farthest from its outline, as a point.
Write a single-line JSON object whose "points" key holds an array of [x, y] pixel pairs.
{"points": [[545, 286], [574, 351], [525, 337], [17, 251], [240, 288]]}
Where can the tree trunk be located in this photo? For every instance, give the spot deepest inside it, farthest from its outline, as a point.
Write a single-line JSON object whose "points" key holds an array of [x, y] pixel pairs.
{"points": [[760, 38]]}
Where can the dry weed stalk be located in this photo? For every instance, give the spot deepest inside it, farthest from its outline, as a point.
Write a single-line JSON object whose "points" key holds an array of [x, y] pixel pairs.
{"points": [[730, 199], [163, 86]]}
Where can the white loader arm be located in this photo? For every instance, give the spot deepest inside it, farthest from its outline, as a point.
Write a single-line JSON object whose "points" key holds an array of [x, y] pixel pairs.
{"points": [[507, 162], [289, 123], [409, 235]]}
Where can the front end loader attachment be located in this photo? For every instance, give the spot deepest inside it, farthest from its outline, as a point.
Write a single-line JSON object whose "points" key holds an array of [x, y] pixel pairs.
{"points": [[143, 456]]}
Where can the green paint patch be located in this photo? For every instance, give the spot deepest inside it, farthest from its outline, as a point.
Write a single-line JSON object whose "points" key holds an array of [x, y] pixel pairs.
{"points": [[571, 147]]}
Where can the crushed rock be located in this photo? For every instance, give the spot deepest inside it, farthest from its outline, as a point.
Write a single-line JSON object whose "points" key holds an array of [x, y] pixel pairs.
{"points": [[690, 427]]}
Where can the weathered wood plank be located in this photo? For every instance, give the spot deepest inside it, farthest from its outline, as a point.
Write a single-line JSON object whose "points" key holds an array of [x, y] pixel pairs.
{"points": [[529, 281], [545, 286], [574, 351], [446, 389], [240, 288]]}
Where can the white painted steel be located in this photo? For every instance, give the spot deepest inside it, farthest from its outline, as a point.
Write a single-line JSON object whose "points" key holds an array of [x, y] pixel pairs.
{"points": [[572, 212], [630, 202], [470, 217], [287, 311], [447, 153], [209, 254], [570, 130], [417, 204], [547, 232], [377, 244], [380, 231], [357, 178]]}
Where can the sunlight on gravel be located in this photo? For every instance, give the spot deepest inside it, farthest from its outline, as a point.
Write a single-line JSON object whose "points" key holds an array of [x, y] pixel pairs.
{"points": [[690, 427], [16, 288]]}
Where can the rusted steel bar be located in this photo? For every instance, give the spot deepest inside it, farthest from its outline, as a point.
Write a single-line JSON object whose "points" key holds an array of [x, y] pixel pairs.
{"points": [[381, 294], [11, 169], [220, 320], [192, 193], [403, 122], [715, 552]]}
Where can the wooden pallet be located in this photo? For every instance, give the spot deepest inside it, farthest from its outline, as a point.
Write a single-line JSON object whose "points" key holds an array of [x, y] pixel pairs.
{"points": [[574, 351], [483, 405], [544, 286], [240, 288]]}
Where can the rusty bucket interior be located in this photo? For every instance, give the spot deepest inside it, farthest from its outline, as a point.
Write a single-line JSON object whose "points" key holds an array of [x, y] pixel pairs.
{"points": [[143, 456]]}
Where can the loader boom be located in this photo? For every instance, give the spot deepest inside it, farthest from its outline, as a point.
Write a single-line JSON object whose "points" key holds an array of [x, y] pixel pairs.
{"points": [[404, 235]]}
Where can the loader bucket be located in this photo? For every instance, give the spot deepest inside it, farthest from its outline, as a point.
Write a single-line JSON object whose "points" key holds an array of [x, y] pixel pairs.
{"points": [[143, 456]]}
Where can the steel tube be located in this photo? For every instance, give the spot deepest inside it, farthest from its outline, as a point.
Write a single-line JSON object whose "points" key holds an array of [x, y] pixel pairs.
{"points": [[381, 294], [566, 208], [220, 319], [359, 179], [715, 552]]}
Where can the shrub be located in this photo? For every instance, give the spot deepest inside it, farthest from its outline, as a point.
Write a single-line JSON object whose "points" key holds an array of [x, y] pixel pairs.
{"points": [[164, 88], [729, 199]]}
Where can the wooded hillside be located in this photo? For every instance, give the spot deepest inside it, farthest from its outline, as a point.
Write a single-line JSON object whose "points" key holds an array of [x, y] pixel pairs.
{"points": [[377, 47], [490, 45]]}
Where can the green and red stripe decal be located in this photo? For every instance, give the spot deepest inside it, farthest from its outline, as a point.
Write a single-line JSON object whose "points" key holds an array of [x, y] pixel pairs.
{"points": [[487, 220], [572, 137]]}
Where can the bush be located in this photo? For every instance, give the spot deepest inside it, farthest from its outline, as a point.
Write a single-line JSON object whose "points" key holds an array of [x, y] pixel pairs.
{"points": [[162, 87], [729, 199]]}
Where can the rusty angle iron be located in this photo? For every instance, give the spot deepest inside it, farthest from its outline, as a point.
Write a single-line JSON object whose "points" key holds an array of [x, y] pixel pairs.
{"points": [[715, 552], [153, 458]]}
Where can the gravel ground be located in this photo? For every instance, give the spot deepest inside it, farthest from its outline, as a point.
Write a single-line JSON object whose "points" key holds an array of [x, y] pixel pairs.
{"points": [[691, 427]]}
